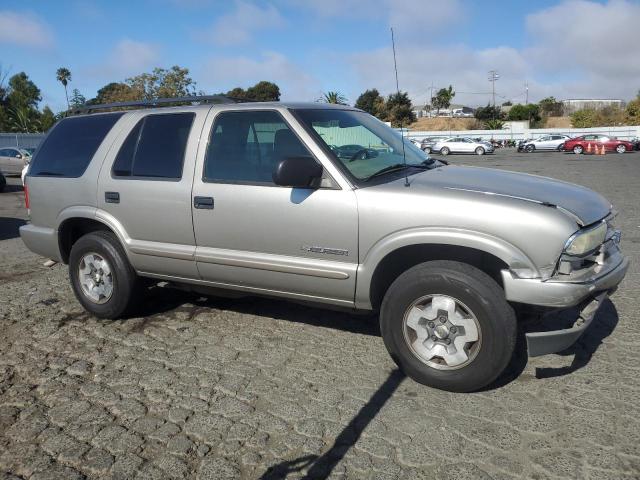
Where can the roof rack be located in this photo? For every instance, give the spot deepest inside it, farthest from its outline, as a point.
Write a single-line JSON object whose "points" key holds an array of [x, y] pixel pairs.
{"points": [[158, 102]]}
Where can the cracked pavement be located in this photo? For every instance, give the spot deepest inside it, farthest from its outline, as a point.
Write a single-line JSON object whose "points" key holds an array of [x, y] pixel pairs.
{"points": [[213, 388]]}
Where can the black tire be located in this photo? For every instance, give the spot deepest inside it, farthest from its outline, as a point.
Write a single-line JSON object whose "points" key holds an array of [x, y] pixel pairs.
{"points": [[479, 151], [483, 296], [124, 278], [3, 182], [427, 150], [530, 148], [578, 149], [621, 148], [445, 151], [560, 148]]}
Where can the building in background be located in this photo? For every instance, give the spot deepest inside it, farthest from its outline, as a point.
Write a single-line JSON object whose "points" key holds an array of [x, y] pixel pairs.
{"points": [[572, 105]]}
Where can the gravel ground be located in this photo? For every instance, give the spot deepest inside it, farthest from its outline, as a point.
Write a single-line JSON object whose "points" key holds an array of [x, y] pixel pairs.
{"points": [[256, 388]]}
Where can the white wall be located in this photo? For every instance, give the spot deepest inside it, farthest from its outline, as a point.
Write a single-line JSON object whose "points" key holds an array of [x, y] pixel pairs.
{"points": [[625, 132]]}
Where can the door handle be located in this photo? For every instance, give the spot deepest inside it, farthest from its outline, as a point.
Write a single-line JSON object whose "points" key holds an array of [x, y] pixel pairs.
{"points": [[205, 203], [112, 197]]}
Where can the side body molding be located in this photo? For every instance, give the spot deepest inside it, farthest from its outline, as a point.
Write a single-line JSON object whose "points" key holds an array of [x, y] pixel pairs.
{"points": [[510, 254]]}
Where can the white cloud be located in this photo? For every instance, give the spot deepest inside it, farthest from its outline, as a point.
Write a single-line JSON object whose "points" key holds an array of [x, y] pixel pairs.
{"points": [[24, 30], [128, 57], [224, 73], [238, 26]]}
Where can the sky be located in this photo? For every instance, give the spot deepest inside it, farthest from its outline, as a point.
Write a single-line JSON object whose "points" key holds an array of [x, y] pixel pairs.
{"points": [[566, 48]]}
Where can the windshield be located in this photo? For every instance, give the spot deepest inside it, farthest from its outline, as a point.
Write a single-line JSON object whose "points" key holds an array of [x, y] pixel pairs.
{"points": [[362, 143]]}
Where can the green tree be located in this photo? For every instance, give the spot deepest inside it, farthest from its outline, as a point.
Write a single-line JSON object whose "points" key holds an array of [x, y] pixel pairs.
{"points": [[334, 97], [47, 119], [77, 99], [530, 112], [399, 110], [162, 83], [63, 75], [264, 91], [508, 103], [239, 93], [20, 104], [584, 118], [115, 92], [22, 120], [372, 102], [550, 107], [632, 111], [489, 112], [443, 98]]}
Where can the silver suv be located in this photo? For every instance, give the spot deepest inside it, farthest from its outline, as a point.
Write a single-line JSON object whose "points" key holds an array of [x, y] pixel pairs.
{"points": [[322, 204]]}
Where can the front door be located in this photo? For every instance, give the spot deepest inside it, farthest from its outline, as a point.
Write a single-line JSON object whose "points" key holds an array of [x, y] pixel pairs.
{"points": [[255, 236]]}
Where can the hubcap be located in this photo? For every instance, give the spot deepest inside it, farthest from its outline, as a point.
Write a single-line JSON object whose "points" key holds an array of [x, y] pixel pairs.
{"points": [[442, 332], [621, 148], [96, 279]]}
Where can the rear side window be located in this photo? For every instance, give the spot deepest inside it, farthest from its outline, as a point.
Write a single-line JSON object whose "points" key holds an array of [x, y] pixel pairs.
{"points": [[68, 149], [155, 148]]}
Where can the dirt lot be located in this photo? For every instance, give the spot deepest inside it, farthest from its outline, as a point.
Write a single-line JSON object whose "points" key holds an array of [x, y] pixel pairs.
{"points": [[255, 388]]}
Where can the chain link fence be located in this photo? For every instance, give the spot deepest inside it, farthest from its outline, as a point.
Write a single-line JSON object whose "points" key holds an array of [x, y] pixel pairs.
{"points": [[21, 140]]}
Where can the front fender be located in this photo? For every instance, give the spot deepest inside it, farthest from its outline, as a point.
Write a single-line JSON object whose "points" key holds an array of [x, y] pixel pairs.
{"points": [[515, 258]]}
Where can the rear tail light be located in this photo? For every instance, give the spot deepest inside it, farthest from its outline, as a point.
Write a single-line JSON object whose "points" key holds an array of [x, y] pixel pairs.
{"points": [[26, 197]]}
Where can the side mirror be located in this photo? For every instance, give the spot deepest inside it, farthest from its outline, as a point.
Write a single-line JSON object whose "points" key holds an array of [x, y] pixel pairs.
{"points": [[297, 172]]}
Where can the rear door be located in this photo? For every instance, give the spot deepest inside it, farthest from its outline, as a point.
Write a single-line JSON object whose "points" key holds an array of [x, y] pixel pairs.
{"points": [[4, 160], [253, 235], [145, 185]]}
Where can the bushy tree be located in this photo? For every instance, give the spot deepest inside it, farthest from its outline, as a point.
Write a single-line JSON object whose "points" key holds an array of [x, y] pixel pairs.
{"points": [[77, 99], [372, 102], [19, 103], [550, 107], [489, 112], [399, 110], [585, 118], [163, 83], [262, 91], [530, 112], [47, 119], [116, 92], [493, 124], [632, 112]]}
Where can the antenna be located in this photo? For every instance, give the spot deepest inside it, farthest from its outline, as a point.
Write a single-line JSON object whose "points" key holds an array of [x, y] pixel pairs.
{"points": [[395, 66]]}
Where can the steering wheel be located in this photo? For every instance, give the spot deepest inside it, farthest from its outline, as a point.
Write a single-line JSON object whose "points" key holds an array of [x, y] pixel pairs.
{"points": [[361, 154]]}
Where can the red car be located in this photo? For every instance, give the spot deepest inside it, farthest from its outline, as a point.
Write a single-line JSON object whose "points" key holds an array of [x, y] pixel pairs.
{"points": [[611, 144]]}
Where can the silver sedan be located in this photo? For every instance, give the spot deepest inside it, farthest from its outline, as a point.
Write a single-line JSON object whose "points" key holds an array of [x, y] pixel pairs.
{"points": [[546, 142], [461, 145]]}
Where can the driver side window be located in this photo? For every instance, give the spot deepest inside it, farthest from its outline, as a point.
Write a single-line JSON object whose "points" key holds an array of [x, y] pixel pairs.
{"points": [[245, 147]]}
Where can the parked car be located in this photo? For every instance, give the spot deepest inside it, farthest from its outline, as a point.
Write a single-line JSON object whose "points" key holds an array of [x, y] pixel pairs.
{"points": [[13, 160], [427, 144], [583, 143], [193, 195], [462, 145], [545, 142], [354, 152]]}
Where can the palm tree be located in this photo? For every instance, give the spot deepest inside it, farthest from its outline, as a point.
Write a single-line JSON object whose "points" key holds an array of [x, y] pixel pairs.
{"points": [[63, 75], [334, 97]]}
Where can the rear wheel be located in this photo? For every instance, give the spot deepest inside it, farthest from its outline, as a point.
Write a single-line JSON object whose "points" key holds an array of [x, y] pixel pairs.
{"points": [[578, 149], [102, 278], [479, 151], [448, 325], [529, 148], [560, 147], [621, 148], [426, 150], [445, 151]]}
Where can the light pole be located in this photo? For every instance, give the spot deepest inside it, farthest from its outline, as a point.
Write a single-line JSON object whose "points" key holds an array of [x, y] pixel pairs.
{"points": [[493, 76]]}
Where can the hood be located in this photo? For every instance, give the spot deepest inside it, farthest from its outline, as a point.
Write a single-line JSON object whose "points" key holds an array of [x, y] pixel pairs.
{"points": [[583, 204]]}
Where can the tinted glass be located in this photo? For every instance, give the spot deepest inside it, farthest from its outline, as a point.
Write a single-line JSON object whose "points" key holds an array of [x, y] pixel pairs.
{"points": [[155, 147], [246, 147], [68, 149]]}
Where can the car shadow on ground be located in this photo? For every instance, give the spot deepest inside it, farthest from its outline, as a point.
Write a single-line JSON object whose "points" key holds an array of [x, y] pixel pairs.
{"points": [[12, 188], [9, 227], [602, 326], [321, 466], [161, 303]]}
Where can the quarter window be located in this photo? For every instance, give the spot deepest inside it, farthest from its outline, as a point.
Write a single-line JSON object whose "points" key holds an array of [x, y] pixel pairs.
{"points": [[155, 148], [246, 147]]}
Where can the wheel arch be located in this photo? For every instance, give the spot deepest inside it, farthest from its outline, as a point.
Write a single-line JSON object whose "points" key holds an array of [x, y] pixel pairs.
{"points": [[394, 255]]}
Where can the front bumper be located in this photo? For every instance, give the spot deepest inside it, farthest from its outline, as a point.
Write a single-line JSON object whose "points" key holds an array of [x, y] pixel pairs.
{"points": [[543, 343]]}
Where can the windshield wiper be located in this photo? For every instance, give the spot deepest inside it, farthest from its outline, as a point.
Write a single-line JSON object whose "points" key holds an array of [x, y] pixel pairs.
{"points": [[396, 167]]}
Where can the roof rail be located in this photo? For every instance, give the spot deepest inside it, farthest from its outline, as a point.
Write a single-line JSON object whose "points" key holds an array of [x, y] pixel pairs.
{"points": [[158, 102]]}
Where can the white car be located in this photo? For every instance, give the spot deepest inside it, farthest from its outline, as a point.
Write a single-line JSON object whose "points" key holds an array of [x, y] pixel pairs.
{"points": [[546, 142], [13, 160], [461, 145]]}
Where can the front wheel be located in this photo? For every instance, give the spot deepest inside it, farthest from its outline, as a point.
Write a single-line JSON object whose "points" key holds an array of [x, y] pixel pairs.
{"points": [[445, 151], [102, 278], [479, 151], [529, 148], [427, 150], [578, 149], [621, 148], [448, 325]]}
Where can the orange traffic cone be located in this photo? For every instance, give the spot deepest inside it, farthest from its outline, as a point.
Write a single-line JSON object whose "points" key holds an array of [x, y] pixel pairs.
{"points": [[588, 148], [603, 151]]}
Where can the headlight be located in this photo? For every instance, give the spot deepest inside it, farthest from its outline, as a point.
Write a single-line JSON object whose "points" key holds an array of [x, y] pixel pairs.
{"points": [[585, 241]]}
